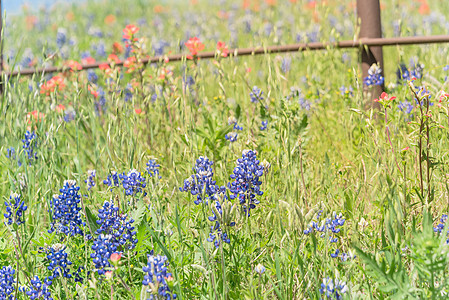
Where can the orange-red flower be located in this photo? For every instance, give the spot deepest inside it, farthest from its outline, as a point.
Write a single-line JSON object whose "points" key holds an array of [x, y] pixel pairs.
{"points": [[384, 99], [129, 31], [88, 60], [56, 82], [222, 49], [74, 65], [113, 58], [60, 108], [130, 63], [194, 45], [110, 19], [117, 48], [115, 257], [138, 111]]}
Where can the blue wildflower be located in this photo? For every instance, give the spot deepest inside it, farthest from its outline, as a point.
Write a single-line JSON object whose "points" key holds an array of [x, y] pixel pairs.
{"points": [[7, 283], [30, 145], [232, 136], [58, 262], [202, 181], [256, 94], [440, 227], [11, 153], [112, 179], [65, 210], [223, 212], [117, 225], [333, 289], [264, 125], [405, 106], [233, 121], [153, 168], [39, 289], [15, 210], [156, 277], [90, 179], [133, 183], [103, 249], [61, 37], [286, 64], [92, 76], [246, 184], [346, 91], [374, 76]]}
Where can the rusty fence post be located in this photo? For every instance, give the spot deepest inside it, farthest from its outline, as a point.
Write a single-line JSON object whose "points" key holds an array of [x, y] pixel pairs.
{"points": [[368, 13]]}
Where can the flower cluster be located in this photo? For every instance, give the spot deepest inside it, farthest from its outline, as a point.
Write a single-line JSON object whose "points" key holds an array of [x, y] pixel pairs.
{"points": [[153, 168], [7, 283], [133, 182], [246, 184], [329, 227], [333, 289], [194, 45], [39, 289], [346, 91], [374, 76], [59, 264], [256, 94], [202, 181], [30, 145], [103, 248], [232, 136], [264, 125], [90, 179], [405, 106], [406, 74], [115, 224], [65, 210], [440, 227], [223, 215], [15, 209], [157, 277]]}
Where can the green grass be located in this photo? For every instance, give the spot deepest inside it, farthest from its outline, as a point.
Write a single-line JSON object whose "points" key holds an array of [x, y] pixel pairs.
{"points": [[335, 157]]}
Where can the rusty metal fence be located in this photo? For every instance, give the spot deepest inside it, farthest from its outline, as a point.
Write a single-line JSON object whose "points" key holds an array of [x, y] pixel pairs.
{"points": [[370, 45]]}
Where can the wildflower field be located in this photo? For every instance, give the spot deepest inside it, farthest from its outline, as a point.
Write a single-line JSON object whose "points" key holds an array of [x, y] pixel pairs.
{"points": [[256, 177]]}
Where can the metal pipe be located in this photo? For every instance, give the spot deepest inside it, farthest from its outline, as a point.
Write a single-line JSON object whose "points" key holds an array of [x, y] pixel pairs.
{"points": [[265, 50]]}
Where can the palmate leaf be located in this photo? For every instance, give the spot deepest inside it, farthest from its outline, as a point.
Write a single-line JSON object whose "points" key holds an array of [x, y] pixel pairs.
{"points": [[392, 279]]}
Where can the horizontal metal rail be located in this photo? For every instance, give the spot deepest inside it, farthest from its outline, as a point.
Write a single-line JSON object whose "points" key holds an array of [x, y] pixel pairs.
{"points": [[263, 50]]}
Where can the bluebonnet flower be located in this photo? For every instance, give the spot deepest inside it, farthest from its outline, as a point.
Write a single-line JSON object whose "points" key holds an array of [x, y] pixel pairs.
{"points": [[100, 104], [156, 277], [95, 32], [58, 262], [374, 76], [415, 70], [260, 269], [223, 213], [256, 94], [233, 121], [99, 49], [27, 58], [159, 47], [30, 145], [246, 184], [286, 64], [232, 136], [77, 274], [92, 76], [103, 249], [202, 181], [65, 210], [90, 179], [264, 125], [346, 91], [329, 226], [69, 115], [112, 179], [15, 209], [333, 289], [128, 92], [61, 37], [7, 283], [11, 153], [405, 106], [153, 168], [39, 289], [116, 225], [133, 183], [440, 227]]}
